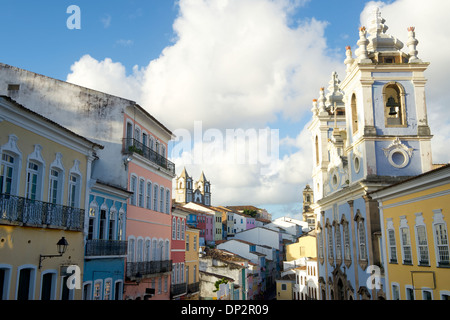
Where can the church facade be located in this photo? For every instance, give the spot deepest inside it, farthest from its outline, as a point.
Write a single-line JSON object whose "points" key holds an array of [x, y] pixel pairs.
{"points": [[369, 131], [187, 190]]}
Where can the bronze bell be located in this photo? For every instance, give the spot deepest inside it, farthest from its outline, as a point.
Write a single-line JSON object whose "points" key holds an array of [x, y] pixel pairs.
{"points": [[391, 104]]}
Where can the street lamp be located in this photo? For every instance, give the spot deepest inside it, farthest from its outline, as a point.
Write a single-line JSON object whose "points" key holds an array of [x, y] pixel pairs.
{"points": [[61, 246]]}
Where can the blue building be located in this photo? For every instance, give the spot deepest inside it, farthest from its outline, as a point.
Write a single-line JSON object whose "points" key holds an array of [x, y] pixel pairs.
{"points": [[368, 131], [105, 245]]}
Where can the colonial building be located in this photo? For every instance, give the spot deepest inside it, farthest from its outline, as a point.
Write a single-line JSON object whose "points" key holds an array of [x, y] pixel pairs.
{"points": [[308, 212], [415, 217], [186, 190], [134, 158], [44, 179], [368, 131]]}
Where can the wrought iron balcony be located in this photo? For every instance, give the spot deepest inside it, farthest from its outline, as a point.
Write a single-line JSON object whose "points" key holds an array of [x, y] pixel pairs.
{"points": [[177, 289], [131, 145], [193, 287], [98, 247], [18, 210], [139, 269]]}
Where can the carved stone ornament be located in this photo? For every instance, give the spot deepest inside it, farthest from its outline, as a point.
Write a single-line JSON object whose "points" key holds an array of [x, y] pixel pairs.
{"points": [[398, 154]]}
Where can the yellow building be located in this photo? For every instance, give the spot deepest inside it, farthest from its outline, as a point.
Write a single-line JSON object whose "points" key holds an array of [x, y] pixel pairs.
{"points": [[285, 287], [415, 216], [44, 171], [305, 247], [192, 263]]}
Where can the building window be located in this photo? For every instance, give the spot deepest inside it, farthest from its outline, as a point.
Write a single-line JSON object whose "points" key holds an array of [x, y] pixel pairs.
{"points": [[167, 201], [394, 105], [362, 239], [395, 292], [330, 244], [133, 187], [33, 177], [440, 235], [392, 246], [161, 200], [187, 242], [195, 242], [337, 235], [91, 223], [406, 245], [98, 290], [405, 241], [6, 173], [321, 241], [141, 192], [155, 197], [25, 289], [112, 224], [427, 295], [174, 228], [422, 245], [183, 227], [149, 195], [74, 187], [347, 251], [131, 250], [108, 284], [409, 293], [148, 250], [102, 226]]}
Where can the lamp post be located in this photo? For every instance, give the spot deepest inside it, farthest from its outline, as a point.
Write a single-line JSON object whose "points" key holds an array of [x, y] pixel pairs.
{"points": [[61, 246]]}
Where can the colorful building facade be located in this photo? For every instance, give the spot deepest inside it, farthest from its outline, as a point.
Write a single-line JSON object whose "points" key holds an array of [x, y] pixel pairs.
{"points": [[44, 175], [368, 131], [415, 219]]}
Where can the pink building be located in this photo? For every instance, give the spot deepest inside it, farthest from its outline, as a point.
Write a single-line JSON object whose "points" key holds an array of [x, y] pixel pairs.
{"points": [[178, 286], [149, 221]]}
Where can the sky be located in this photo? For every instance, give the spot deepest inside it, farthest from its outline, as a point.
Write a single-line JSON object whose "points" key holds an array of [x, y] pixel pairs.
{"points": [[213, 71]]}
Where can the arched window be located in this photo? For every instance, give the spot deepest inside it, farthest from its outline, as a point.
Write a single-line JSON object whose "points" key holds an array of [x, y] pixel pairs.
{"points": [[354, 115], [394, 104]]}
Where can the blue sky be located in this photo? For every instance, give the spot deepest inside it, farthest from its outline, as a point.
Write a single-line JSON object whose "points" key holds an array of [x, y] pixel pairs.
{"points": [[228, 63], [107, 27]]}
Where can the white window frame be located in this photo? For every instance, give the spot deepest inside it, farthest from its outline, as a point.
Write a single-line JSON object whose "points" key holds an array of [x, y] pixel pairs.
{"points": [[141, 192], [391, 242], [439, 245], [10, 148], [108, 295], [75, 172], [155, 197], [57, 167], [133, 189], [149, 195], [405, 241], [422, 249]]}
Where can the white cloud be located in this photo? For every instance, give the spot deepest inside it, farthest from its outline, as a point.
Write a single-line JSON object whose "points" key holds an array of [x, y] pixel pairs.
{"points": [[240, 64], [106, 76]]}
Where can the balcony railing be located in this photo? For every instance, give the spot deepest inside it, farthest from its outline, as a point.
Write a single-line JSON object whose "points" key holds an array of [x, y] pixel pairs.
{"points": [[139, 269], [131, 145], [193, 287], [14, 209], [177, 289], [98, 247]]}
